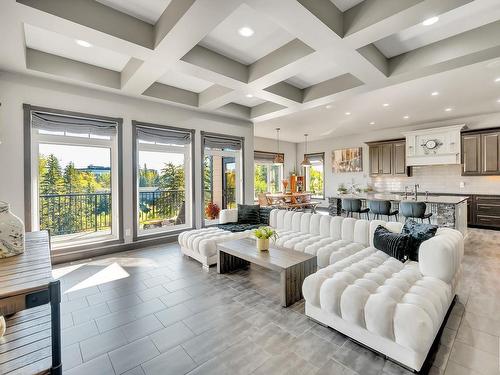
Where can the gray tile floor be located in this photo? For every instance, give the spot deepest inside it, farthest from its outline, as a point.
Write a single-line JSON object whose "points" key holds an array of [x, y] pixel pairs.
{"points": [[153, 311]]}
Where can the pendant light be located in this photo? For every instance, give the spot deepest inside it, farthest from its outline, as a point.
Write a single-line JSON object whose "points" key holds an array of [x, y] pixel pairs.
{"points": [[306, 162], [278, 158]]}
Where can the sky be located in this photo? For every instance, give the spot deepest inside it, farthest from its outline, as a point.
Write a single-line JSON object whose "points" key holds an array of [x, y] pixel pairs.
{"points": [[83, 156]]}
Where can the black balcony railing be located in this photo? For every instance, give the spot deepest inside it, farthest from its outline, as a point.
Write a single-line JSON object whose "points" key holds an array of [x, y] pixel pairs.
{"points": [[91, 212], [159, 204], [75, 213]]}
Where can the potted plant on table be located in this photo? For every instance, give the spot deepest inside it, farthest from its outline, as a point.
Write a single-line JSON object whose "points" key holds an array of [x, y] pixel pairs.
{"points": [[263, 234], [212, 211]]}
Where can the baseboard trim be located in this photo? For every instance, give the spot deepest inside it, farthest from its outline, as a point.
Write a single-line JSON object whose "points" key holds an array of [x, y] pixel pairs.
{"points": [[76, 255]]}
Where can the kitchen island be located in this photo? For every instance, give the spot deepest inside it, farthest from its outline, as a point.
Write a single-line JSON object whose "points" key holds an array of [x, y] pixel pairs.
{"points": [[448, 211]]}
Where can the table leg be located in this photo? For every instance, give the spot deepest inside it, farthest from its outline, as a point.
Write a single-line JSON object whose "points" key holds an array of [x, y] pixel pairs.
{"points": [[292, 279], [55, 309], [228, 262]]}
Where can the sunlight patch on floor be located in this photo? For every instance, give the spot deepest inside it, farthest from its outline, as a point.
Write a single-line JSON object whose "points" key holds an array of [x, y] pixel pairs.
{"points": [[110, 273], [57, 273]]}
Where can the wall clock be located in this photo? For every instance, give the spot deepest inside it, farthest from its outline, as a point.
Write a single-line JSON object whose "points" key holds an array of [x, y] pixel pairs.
{"points": [[431, 145]]}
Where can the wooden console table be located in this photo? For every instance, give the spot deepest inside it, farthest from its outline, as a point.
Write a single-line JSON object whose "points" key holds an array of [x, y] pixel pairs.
{"points": [[293, 266], [32, 342]]}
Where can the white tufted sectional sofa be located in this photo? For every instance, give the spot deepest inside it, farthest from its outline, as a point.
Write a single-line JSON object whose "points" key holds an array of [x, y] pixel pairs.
{"points": [[201, 244], [394, 308], [329, 238]]}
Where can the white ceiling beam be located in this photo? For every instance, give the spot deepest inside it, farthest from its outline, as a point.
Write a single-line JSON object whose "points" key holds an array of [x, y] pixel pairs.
{"points": [[172, 94], [438, 53], [264, 109], [74, 70], [280, 58], [216, 62], [373, 20], [332, 86], [181, 27], [287, 90], [99, 17]]}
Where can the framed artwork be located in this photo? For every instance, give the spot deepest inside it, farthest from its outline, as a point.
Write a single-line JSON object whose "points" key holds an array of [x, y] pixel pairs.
{"points": [[347, 160]]}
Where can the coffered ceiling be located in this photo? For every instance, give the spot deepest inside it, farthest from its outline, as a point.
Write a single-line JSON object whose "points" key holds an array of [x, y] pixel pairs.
{"points": [[306, 61]]}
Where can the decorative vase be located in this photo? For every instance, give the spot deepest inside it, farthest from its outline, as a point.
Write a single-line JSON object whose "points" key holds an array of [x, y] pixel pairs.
{"points": [[285, 185], [262, 244], [293, 183], [11, 232], [3, 326]]}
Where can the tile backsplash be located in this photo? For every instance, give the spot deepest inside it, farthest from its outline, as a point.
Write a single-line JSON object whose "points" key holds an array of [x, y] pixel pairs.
{"points": [[439, 179]]}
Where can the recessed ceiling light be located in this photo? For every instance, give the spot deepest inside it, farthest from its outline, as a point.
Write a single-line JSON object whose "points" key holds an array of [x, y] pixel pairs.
{"points": [[497, 80], [448, 109], [430, 21], [406, 117], [498, 101], [348, 113], [372, 123], [435, 93], [246, 31], [249, 95], [386, 104], [328, 106], [83, 43]]}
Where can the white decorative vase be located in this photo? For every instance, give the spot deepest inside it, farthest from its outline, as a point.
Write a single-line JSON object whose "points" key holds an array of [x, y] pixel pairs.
{"points": [[11, 232], [262, 244], [3, 326]]}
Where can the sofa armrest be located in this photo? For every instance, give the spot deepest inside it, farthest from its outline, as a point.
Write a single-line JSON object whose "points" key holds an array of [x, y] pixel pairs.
{"points": [[229, 215], [441, 255]]}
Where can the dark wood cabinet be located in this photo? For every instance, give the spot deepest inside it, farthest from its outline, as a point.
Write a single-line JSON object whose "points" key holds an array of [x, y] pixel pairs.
{"points": [[481, 153], [471, 155], [399, 159], [483, 211], [388, 158], [489, 151]]}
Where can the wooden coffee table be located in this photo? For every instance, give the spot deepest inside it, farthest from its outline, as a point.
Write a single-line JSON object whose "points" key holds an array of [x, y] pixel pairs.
{"points": [[293, 266]]}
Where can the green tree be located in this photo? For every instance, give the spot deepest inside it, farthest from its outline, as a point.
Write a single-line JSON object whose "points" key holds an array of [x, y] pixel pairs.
{"points": [[72, 179], [316, 181], [172, 177], [260, 179], [52, 181], [148, 177]]}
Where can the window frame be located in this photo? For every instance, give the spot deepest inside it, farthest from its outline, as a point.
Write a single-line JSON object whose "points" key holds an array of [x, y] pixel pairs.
{"points": [[240, 165], [281, 166], [31, 173], [307, 172], [189, 151]]}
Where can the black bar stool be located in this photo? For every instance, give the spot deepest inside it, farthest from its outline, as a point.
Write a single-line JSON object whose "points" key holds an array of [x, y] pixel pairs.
{"points": [[378, 208], [414, 210], [350, 205]]}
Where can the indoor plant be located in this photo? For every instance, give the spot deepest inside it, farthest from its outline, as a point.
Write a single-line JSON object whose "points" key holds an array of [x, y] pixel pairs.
{"points": [[263, 234], [212, 211]]}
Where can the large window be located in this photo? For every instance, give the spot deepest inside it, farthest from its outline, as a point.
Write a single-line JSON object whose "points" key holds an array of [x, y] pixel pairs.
{"points": [[222, 173], [74, 178], [163, 179], [267, 175], [315, 174]]}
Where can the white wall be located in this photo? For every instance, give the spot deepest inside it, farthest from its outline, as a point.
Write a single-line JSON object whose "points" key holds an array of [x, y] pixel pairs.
{"points": [[441, 179], [18, 89], [288, 148]]}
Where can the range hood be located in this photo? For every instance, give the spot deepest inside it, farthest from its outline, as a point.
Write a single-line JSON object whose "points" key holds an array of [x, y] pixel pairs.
{"points": [[434, 146]]}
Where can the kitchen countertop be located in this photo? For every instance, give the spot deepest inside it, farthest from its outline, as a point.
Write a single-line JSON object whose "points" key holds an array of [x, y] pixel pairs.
{"points": [[447, 199]]}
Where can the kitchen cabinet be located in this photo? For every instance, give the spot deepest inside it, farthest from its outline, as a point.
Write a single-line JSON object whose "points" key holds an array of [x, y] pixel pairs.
{"points": [[471, 154], [489, 151], [481, 152], [487, 210], [399, 159], [388, 158]]}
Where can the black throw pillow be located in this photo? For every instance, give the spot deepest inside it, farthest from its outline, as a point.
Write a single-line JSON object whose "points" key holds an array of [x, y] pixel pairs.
{"points": [[264, 213], [393, 244], [418, 232], [248, 214]]}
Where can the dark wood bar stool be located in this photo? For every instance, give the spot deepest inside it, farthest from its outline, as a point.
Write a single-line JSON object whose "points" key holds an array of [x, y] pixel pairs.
{"points": [[414, 210], [378, 208], [350, 205]]}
